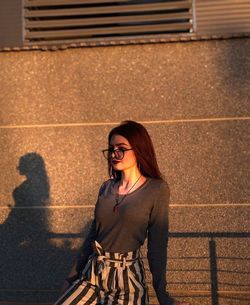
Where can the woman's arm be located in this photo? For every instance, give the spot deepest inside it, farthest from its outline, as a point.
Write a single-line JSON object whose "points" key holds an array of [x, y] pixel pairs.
{"points": [[86, 249], [83, 255], [157, 244]]}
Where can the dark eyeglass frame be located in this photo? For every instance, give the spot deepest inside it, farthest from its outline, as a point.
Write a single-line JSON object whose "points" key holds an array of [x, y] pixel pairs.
{"points": [[107, 153]]}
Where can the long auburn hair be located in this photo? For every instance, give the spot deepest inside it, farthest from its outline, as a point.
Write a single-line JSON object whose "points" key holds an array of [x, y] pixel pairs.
{"points": [[143, 148]]}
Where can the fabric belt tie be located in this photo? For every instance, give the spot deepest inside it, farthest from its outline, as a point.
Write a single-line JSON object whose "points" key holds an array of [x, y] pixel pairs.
{"points": [[98, 261]]}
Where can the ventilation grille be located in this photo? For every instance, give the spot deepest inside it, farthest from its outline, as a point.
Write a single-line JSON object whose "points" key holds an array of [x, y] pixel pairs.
{"points": [[50, 21], [222, 16]]}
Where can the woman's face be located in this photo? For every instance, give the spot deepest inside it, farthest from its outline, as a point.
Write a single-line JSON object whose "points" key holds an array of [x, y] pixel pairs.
{"points": [[129, 160]]}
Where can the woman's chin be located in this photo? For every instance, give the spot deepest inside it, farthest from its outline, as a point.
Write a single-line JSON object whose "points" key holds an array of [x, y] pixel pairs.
{"points": [[117, 167]]}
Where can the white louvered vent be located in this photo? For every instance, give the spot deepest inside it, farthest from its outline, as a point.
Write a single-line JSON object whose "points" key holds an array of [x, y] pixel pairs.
{"points": [[55, 21]]}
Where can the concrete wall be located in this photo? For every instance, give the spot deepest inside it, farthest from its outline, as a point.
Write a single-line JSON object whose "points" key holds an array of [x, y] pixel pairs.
{"points": [[56, 110]]}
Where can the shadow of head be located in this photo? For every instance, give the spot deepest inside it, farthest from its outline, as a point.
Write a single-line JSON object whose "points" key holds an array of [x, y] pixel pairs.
{"points": [[35, 189], [31, 164]]}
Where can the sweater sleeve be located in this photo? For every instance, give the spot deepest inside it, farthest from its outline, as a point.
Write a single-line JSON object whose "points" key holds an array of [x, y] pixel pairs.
{"points": [[86, 248], [157, 244]]}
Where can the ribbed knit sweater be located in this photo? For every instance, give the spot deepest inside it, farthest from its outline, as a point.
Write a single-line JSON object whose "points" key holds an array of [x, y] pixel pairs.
{"points": [[142, 214]]}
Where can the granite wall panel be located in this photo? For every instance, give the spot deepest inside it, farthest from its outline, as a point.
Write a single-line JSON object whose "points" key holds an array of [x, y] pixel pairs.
{"points": [[145, 82], [37, 258], [204, 163], [68, 101]]}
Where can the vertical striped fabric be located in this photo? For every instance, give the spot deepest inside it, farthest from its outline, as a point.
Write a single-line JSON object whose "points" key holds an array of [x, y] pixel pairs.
{"points": [[110, 279]]}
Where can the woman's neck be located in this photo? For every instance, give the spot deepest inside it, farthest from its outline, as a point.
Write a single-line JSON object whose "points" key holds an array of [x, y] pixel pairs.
{"points": [[129, 178]]}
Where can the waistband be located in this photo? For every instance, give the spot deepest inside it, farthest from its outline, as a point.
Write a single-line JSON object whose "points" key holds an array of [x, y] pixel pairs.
{"points": [[100, 259], [114, 259]]}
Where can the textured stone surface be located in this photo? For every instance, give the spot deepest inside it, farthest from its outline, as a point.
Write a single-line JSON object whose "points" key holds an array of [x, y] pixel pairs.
{"points": [[36, 258], [73, 162], [209, 219], [43, 220], [204, 162], [39, 247], [144, 82]]}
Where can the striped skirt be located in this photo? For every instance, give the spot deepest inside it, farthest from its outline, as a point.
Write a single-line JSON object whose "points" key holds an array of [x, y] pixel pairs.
{"points": [[109, 278]]}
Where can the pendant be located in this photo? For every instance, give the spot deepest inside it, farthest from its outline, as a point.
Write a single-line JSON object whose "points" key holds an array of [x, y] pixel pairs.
{"points": [[116, 208]]}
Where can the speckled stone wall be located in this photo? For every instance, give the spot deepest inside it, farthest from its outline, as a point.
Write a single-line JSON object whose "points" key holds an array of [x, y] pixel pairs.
{"points": [[56, 110]]}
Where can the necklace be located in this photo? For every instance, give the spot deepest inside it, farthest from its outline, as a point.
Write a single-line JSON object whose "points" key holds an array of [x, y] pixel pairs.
{"points": [[116, 206]]}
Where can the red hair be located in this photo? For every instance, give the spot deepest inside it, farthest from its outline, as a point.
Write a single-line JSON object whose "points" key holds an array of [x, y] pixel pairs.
{"points": [[143, 148]]}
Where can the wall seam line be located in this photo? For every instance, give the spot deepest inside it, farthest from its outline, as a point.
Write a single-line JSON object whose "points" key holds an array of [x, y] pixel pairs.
{"points": [[218, 205], [115, 123]]}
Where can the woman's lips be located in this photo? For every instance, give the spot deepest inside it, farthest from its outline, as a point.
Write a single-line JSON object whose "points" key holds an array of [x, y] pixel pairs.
{"points": [[115, 161]]}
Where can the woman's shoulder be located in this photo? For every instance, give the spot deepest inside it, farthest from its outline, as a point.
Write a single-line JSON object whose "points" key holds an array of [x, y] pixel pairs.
{"points": [[159, 183], [159, 191], [159, 187], [105, 185]]}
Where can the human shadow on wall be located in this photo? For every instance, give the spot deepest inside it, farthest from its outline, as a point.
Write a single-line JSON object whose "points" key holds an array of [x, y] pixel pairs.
{"points": [[29, 260]]}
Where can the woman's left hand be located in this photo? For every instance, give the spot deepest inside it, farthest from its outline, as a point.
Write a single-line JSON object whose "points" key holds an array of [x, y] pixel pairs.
{"points": [[65, 286]]}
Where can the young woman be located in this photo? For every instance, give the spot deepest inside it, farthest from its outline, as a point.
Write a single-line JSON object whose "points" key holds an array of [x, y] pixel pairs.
{"points": [[131, 205]]}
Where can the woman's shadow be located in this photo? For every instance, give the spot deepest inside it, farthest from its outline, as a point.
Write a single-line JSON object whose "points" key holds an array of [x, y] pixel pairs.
{"points": [[29, 260]]}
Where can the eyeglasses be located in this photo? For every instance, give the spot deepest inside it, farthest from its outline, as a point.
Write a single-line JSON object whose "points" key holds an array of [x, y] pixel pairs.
{"points": [[115, 153]]}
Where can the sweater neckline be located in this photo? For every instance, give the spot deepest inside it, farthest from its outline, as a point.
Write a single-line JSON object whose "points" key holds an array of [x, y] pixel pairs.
{"points": [[133, 192]]}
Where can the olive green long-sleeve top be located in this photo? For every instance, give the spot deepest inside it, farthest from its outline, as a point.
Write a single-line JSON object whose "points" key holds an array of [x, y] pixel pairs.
{"points": [[143, 213]]}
